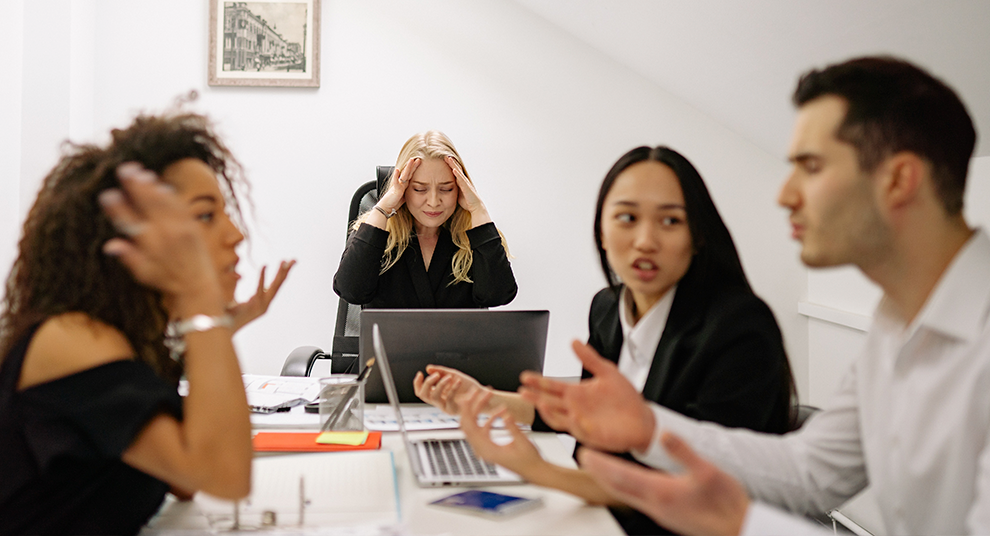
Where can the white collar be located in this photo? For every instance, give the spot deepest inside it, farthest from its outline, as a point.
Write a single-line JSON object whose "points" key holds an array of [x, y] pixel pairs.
{"points": [[646, 333], [958, 305]]}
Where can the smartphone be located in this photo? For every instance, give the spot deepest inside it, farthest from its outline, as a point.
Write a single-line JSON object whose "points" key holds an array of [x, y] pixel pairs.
{"points": [[488, 503]]}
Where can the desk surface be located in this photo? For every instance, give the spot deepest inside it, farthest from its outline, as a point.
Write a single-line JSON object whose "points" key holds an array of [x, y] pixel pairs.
{"points": [[561, 514]]}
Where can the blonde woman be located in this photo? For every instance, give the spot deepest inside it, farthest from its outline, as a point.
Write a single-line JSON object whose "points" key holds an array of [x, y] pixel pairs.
{"points": [[429, 242]]}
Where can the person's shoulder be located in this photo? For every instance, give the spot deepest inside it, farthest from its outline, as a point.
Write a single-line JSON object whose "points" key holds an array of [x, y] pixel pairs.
{"points": [[69, 343], [605, 301], [605, 298]]}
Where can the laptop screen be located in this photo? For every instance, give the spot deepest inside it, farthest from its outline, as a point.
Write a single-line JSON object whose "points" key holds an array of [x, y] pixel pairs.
{"points": [[393, 397], [494, 347]]}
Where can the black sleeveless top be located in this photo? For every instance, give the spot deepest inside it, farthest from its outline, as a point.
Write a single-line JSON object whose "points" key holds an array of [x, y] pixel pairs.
{"points": [[60, 448]]}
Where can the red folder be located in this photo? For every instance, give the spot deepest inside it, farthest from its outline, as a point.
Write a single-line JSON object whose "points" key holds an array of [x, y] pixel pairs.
{"points": [[306, 442]]}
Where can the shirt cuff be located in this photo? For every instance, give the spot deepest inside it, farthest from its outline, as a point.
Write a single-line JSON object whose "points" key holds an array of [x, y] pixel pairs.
{"points": [[764, 520], [655, 455]]}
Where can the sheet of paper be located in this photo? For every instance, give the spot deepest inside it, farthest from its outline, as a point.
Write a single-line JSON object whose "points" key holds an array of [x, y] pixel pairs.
{"points": [[276, 391], [382, 418]]}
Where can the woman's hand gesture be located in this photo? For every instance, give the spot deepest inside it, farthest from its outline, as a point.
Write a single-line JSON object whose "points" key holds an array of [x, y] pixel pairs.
{"points": [[520, 456], [445, 387], [258, 304], [467, 196]]}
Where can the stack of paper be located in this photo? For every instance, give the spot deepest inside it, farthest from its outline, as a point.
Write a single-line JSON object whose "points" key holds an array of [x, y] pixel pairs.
{"points": [[269, 394]]}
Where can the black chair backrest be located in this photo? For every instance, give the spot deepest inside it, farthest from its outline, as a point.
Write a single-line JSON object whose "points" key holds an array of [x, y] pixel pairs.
{"points": [[344, 354]]}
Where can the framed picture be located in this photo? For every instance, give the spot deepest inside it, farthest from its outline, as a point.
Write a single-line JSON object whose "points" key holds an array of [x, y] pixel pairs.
{"points": [[273, 43]]}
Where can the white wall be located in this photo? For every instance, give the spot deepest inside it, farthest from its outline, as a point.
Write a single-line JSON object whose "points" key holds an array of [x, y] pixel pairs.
{"points": [[538, 116], [12, 41]]}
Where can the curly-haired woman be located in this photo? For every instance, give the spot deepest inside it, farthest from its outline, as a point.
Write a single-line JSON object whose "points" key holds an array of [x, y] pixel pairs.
{"points": [[124, 243]]}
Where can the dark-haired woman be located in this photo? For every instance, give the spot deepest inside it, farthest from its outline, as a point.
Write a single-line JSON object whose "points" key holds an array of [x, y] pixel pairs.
{"points": [[678, 317], [125, 244]]}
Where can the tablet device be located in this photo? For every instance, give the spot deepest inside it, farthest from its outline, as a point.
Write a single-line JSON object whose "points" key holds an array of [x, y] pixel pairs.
{"points": [[493, 347], [487, 503]]}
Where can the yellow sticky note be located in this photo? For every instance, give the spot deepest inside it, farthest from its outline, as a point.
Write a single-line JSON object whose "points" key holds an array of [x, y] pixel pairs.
{"points": [[342, 438]]}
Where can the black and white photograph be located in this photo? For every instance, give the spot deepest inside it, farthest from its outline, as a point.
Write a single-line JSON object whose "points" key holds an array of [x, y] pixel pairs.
{"points": [[273, 43]]}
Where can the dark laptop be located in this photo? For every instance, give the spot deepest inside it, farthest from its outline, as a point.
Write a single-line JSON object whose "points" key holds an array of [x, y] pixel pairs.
{"points": [[494, 347]]}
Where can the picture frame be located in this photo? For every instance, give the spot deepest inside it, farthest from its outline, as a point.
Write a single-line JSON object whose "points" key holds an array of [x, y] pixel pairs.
{"points": [[273, 43]]}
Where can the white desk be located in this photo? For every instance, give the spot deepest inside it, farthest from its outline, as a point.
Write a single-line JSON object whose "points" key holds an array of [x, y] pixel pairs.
{"points": [[562, 514]]}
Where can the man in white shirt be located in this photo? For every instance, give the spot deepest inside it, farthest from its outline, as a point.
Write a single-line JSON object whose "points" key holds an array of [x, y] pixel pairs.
{"points": [[880, 154]]}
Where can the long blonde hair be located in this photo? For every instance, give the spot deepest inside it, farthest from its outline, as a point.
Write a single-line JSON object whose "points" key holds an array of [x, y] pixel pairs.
{"points": [[431, 144]]}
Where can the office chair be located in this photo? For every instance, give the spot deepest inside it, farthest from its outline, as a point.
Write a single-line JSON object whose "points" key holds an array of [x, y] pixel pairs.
{"points": [[344, 353]]}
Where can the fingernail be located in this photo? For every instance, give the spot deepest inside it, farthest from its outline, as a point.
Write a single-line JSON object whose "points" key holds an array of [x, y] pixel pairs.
{"points": [[110, 197], [132, 171], [128, 168], [112, 248]]}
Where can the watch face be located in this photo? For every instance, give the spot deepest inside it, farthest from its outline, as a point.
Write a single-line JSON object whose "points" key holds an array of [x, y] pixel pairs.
{"points": [[201, 323]]}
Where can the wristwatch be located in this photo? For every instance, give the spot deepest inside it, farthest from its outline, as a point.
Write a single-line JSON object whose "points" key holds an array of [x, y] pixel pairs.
{"points": [[198, 323]]}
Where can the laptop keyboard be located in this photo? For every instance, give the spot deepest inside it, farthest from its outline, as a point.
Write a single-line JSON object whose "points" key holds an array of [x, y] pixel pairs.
{"points": [[455, 457]]}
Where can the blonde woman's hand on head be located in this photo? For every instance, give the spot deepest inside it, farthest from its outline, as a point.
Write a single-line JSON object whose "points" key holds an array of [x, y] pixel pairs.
{"points": [[257, 305], [162, 245], [395, 196], [445, 387], [467, 196]]}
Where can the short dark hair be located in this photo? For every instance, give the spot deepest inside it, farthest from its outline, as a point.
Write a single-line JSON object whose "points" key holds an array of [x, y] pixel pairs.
{"points": [[896, 106], [716, 262]]}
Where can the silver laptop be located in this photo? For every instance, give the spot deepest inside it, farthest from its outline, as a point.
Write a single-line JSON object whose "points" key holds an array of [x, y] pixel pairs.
{"points": [[439, 462]]}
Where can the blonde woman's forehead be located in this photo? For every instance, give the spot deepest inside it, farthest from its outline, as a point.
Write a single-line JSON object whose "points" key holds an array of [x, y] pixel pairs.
{"points": [[433, 171]]}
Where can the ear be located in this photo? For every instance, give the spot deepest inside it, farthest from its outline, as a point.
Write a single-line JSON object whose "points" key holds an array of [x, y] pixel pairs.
{"points": [[903, 176]]}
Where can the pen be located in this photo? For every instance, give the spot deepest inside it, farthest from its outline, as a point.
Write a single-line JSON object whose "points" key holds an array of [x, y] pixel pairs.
{"points": [[348, 396]]}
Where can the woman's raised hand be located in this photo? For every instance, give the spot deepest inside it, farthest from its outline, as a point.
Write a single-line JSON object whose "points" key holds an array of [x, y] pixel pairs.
{"points": [[161, 244], [445, 387], [520, 456], [467, 196], [395, 196], [245, 312]]}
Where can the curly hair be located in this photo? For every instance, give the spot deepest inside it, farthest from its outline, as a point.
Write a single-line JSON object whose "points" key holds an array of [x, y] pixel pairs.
{"points": [[61, 267]]}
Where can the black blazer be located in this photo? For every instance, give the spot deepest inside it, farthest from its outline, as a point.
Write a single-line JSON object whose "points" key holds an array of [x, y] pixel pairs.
{"points": [[721, 359], [408, 284]]}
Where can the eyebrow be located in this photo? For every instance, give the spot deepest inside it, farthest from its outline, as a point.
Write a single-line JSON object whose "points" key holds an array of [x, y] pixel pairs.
{"points": [[664, 206], [205, 197], [803, 157], [427, 184]]}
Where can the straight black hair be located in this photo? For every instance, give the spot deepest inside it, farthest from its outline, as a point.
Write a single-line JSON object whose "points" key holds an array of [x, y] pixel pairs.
{"points": [[716, 262]]}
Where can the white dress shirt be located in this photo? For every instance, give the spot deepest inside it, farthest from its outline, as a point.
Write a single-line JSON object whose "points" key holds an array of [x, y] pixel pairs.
{"points": [[640, 339], [911, 418]]}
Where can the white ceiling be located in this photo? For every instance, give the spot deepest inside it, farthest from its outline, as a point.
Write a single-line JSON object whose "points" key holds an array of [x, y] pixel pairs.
{"points": [[738, 61]]}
